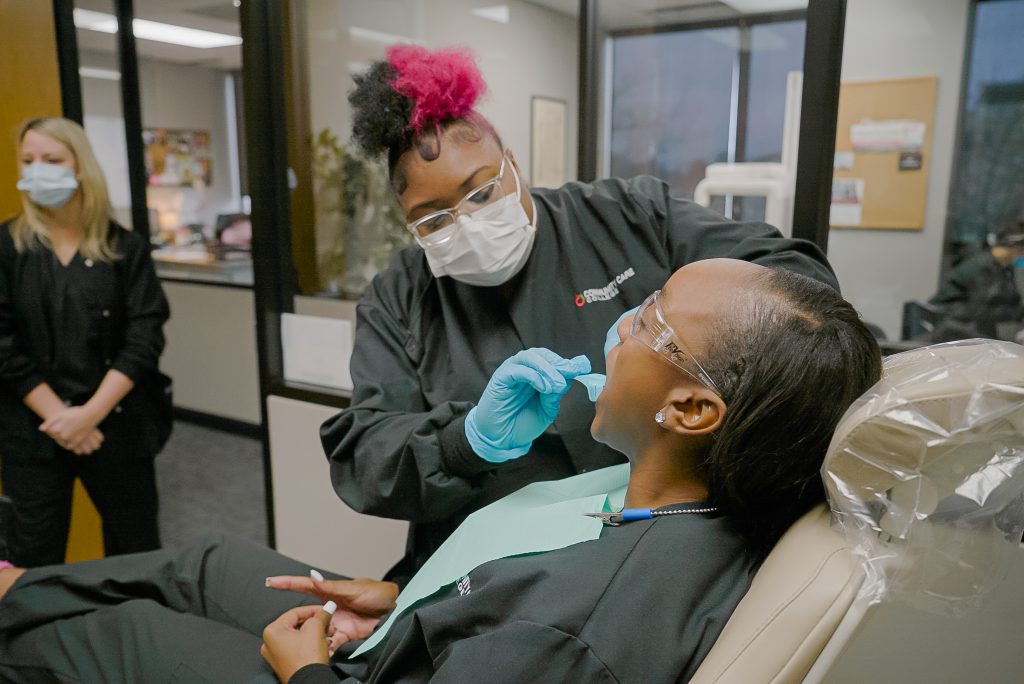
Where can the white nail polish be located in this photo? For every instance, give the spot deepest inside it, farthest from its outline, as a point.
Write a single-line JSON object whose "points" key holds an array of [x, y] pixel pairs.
{"points": [[330, 607], [266, 582], [316, 575]]}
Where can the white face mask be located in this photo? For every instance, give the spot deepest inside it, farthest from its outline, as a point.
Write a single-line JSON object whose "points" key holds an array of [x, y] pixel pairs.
{"points": [[487, 247], [48, 185]]}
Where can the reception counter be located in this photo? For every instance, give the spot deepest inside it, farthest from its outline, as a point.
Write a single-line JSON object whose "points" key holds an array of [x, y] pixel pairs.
{"points": [[198, 264]]}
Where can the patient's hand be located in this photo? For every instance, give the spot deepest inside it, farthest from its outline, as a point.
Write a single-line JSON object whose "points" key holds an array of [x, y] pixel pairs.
{"points": [[361, 603], [8, 575], [294, 640]]}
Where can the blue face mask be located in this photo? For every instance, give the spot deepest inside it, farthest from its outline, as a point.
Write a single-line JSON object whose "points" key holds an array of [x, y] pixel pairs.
{"points": [[48, 185]]}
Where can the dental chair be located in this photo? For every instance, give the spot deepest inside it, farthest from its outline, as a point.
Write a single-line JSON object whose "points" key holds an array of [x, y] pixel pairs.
{"points": [[904, 579]]}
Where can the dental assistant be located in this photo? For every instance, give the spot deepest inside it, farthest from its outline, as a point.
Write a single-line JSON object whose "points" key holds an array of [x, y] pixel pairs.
{"points": [[498, 268], [81, 317]]}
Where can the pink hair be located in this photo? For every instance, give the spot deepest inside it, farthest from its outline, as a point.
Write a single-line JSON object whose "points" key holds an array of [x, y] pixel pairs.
{"points": [[444, 84]]}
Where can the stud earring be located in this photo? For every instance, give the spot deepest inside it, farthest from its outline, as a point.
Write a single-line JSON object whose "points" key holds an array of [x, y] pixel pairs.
{"points": [[659, 418]]}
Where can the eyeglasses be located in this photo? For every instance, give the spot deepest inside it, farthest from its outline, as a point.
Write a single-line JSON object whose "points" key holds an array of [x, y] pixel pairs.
{"points": [[652, 329], [431, 229]]}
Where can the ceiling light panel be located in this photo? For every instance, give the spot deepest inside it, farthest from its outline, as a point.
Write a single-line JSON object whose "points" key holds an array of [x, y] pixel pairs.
{"points": [[155, 30]]}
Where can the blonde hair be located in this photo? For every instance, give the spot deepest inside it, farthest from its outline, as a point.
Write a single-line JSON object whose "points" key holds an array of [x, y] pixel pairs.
{"points": [[96, 210]]}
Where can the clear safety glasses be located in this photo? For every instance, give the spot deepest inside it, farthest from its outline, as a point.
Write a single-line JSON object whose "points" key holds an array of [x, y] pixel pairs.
{"points": [[652, 329], [431, 228]]}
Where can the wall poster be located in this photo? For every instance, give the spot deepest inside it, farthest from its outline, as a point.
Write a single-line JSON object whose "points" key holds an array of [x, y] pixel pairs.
{"points": [[177, 157]]}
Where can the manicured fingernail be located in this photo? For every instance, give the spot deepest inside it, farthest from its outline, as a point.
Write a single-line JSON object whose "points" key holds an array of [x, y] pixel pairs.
{"points": [[266, 582], [316, 575], [330, 607]]}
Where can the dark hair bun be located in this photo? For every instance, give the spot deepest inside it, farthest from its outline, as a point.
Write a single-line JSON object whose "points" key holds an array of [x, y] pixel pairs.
{"points": [[413, 91], [380, 116]]}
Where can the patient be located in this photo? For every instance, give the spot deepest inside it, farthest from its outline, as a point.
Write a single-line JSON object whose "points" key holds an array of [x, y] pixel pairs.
{"points": [[723, 393]]}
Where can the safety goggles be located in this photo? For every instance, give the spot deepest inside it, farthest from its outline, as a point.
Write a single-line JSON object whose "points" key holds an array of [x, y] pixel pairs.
{"points": [[430, 229], [652, 329]]}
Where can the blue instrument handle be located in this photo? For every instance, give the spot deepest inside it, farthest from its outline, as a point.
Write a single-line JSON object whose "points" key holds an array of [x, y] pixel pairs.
{"points": [[630, 514]]}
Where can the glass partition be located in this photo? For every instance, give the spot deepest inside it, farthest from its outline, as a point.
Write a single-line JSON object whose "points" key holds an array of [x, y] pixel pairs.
{"points": [[190, 61], [527, 52], [103, 119], [926, 198], [985, 240]]}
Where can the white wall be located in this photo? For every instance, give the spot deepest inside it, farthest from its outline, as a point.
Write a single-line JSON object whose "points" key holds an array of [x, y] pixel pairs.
{"points": [[211, 350], [879, 270], [534, 54], [310, 522]]}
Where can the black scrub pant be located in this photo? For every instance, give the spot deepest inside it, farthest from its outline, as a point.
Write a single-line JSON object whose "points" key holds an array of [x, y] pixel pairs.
{"points": [[123, 489], [191, 614]]}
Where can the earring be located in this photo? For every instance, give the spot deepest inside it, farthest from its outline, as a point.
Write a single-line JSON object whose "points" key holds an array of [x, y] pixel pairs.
{"points": [[659, 418]]}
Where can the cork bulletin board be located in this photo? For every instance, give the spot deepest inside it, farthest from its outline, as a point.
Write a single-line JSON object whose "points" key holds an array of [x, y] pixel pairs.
{"points": [[883, 152]]}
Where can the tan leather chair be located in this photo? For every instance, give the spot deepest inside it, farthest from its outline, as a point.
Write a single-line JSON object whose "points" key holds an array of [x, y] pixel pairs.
{"points": [[809, 599]]}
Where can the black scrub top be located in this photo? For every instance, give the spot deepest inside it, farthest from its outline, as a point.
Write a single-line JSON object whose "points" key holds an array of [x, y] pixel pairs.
{"points": [[425, 348], [75, 350], [643, 603], [67, 326], [979, 293]]}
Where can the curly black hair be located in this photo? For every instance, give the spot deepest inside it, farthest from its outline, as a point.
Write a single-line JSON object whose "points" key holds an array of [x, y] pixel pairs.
{"points": [[380, 122]]}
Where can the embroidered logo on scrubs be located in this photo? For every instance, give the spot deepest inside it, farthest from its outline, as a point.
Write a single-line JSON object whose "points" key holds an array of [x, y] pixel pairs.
{"points": [[603, 294], [463, 586]]}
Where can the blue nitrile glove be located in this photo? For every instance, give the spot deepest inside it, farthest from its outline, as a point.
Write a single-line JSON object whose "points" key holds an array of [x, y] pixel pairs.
{"points": [[612, 338], [520, 402]]}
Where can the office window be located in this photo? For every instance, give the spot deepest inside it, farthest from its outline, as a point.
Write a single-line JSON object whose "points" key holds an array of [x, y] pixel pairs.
{"points": [[671, 104], [775, 50], [682, 97], [988, 188]]}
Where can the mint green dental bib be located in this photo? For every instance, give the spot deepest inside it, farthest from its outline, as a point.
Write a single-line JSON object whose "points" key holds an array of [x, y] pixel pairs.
{"points": [[542, 516]]}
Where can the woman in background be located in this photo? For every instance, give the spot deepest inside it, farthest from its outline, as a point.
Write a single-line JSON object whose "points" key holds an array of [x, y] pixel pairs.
{"points": [[81, 317], [981, 293]]}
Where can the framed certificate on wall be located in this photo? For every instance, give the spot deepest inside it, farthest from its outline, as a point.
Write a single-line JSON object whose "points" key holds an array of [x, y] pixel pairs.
{"points": [[548, 154]]}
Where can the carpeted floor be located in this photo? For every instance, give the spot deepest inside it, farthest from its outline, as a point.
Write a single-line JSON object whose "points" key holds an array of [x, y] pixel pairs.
{"points": [[210, 481]]}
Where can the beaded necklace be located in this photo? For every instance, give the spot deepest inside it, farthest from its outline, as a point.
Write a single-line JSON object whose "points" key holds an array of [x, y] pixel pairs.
{"points": [[631, 514]]}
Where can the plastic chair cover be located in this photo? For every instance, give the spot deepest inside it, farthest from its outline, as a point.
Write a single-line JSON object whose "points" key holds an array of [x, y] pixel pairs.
{"points": [[925, 474]]}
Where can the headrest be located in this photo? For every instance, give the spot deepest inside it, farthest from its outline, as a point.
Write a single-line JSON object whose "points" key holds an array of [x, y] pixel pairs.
{"points": [[926, 470]]}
